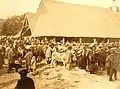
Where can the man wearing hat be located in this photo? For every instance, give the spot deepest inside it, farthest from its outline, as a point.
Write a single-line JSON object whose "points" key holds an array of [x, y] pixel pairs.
{"points": [[25, 82], [48, 54], [11, 59], [40, 52], [1, 59], [28, 58], [69, 57], [111, 65]]}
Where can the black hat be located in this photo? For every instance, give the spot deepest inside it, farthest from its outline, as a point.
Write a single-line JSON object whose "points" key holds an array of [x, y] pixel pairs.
{"points": [[69, 47], [23, 72]]}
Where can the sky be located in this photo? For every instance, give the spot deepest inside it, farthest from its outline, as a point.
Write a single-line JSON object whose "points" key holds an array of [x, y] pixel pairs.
{"points": [[16, 7]]}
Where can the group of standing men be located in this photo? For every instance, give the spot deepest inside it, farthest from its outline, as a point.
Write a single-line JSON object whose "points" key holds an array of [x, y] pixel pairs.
{"points": [[18, 50]]}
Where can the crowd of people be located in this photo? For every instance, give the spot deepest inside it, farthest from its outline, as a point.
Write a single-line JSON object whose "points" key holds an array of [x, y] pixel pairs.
{"points": [[88, 56]]}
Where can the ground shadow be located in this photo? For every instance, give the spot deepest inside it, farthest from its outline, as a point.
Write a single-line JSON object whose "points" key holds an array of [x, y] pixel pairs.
{"points": [[7, 83], [59, 63], [100, 73], [47, 67], [40, 65], [3, 71]]}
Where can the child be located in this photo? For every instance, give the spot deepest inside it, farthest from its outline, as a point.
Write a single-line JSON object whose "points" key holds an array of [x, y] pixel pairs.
{"points": [[34, 63]]}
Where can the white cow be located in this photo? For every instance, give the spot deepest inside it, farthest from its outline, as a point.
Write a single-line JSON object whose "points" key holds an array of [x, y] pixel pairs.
{"points": [[56, 56]]}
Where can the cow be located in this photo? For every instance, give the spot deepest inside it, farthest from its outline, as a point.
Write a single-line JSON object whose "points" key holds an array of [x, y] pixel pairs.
{"points": [[96, 61], [61, 57], [101, 57], [56, 56], [82, 57], [92, 63]]}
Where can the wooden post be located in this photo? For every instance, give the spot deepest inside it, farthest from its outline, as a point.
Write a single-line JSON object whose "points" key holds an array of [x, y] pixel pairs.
{"points": [[108, 40], [54, 39], [45, 38], [80, 40], [63, 41], [94, 40], [119, 41]]}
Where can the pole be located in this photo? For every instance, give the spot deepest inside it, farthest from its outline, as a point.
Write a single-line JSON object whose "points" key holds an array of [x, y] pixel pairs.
{"points": [[119, 41], [108, 40], [80, 40], [45, 38], [54, 39], [94, 40], [63, 40]]}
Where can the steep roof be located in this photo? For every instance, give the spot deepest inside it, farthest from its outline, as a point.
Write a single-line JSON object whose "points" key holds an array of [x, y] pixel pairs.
{"points": [[63, 19], [31, 20]]}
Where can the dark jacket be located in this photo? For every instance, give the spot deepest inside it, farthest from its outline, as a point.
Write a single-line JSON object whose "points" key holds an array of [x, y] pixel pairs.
{"points": [[25, 83]]}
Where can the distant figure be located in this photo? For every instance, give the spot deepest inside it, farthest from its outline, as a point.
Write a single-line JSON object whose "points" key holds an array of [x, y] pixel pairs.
{"points": [[49, 54], [40, 53], [111, 65], [69, 57], [1, 60], [25, 82], [34, 64], [28, 58], [11, 59]]}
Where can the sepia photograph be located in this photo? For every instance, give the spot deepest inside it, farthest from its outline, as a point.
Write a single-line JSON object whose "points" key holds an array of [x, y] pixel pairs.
{"points": [[59, 44]]}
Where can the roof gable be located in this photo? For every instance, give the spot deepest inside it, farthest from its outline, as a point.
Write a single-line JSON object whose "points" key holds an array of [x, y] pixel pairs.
{"points": [[63, 19]]}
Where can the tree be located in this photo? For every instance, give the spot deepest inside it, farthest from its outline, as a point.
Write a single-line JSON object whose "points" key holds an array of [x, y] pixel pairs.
{"points": [[1, 25], [12, 25], [114, 0]]}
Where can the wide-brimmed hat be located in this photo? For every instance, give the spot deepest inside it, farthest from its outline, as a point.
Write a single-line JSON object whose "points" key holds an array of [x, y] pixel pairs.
{"points": [[23, 72], [113, 49], [80, 51], [69, 47], [28, 47]]}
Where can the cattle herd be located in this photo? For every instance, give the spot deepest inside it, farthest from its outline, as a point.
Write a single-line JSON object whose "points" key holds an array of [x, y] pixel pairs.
{"points": [[91, 57]]}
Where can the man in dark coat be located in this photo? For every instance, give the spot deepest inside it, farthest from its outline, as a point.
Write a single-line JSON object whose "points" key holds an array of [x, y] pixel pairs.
{"points": [[40, 53], [25, 82], [1, 59], [111, 65]]}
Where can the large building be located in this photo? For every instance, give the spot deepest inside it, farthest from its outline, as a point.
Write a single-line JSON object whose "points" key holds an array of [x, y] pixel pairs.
{"points": [[54, 18]]}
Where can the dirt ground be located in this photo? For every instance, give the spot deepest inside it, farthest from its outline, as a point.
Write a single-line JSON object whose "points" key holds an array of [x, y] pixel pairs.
{"points": [[60, 78]]}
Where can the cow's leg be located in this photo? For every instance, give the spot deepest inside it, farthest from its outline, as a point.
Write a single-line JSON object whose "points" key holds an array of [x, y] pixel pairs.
{"points": [[16, 68], [52, 62], [12, 66], [108, 71], [48, 62], [9, 67], [64, 64], [111, 74], [68, 66], [115, 74]]}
